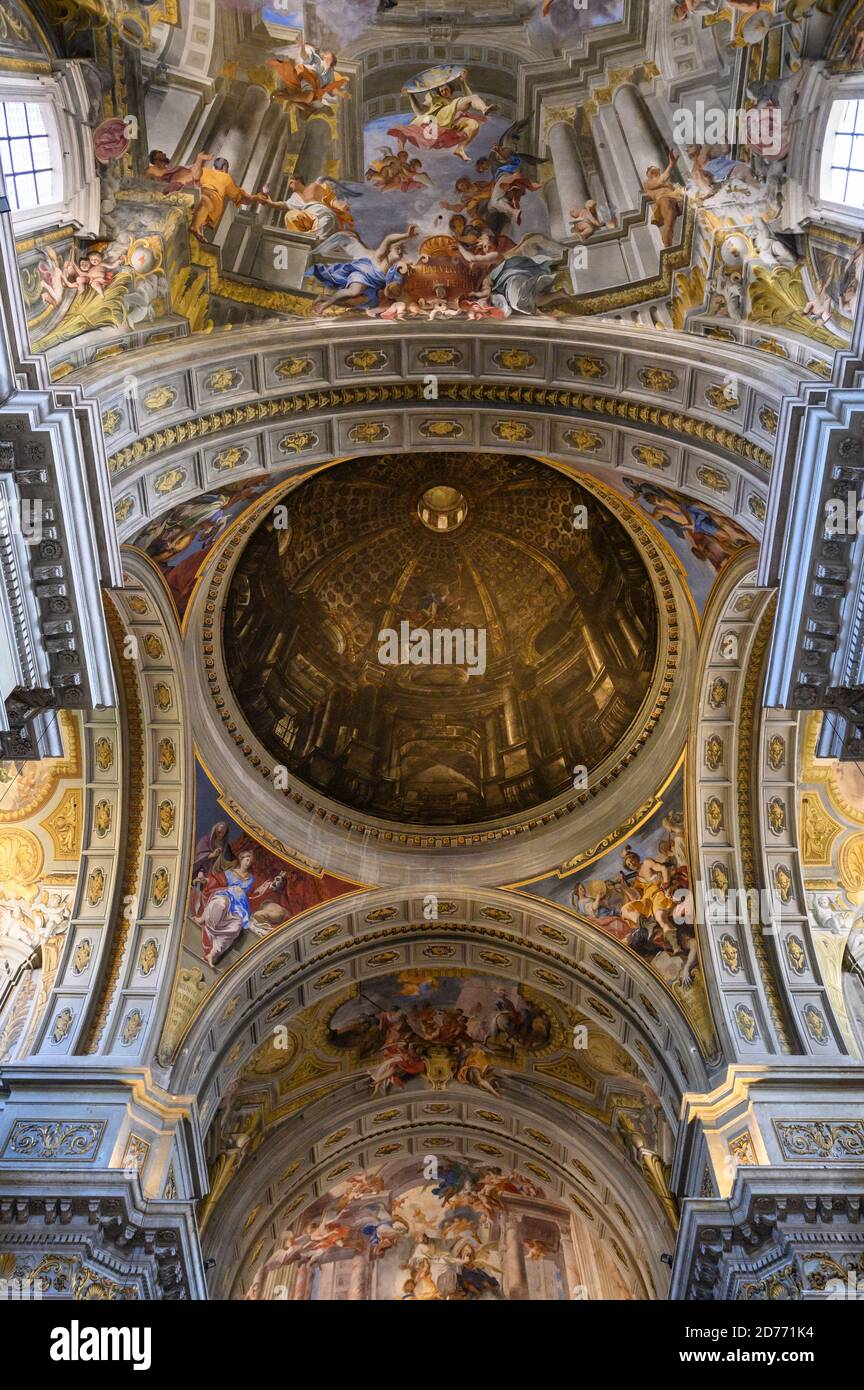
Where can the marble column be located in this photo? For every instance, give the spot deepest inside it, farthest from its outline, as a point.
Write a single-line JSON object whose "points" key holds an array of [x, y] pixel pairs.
{"points": [[619, 175], [238, 144], [322, 737], [490, 745], [315, 150], [628, 632], [642, 137], [514, 732], [515, 1274], [357, 1287], [596, 658], [575, 1277], [571, 185]]}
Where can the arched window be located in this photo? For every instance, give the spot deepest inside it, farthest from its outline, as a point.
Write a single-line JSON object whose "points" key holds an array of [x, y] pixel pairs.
{"points": [[843, 155], [25, 153]]}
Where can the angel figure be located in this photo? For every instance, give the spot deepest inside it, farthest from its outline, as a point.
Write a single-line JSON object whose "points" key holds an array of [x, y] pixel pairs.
{"points": [[359, 1186], [394, 171], [819, 306], [668, 197], [310, 80], [511, 170], [831, 914], [588, 220], [359, 282], [95, 273], [51, 273], [513, 280], [447, 114], [383, 1231]]}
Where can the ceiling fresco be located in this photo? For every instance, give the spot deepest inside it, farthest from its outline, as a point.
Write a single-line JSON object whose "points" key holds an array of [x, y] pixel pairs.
{"points": [[474, 1232], [41, 827], [404, 551], [241, 890], [454, 1056], [384, 161], [179, 541], [181, 538], [702, 538], [638, 891], [438, 1028]]}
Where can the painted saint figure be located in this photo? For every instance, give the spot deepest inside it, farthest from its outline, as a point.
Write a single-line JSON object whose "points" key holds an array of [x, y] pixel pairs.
{"points": [[319, 207], [668, 198], [310, 81], [218, 187], [359, 282], [447, 114]]}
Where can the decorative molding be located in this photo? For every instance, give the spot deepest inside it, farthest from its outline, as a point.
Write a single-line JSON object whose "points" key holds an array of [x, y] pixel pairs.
{"points": [[212, 665], [60, 1140], [753, 679], [395, 396], [822, 1140], [133, 811]]}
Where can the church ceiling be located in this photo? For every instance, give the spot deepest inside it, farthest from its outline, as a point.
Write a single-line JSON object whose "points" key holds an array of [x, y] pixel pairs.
{"points": [[328, 618], [379, 162], [440, 355]]}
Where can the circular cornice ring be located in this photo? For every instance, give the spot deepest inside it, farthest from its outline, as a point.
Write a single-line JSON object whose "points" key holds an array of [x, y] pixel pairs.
{"points": [[319, 830]]}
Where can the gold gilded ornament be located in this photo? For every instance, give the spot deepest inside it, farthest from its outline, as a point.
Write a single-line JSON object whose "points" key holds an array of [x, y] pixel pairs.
{"points": [[95, 887], [102, 818], [148, 956], [104, 751], [512, 431], [161, 885], [713, 752], [159, 398], [656, 379]]}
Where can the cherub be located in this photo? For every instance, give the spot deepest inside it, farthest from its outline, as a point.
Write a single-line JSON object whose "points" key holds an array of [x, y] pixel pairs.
{"points": [[51, 273], [440, 309], [90, 272], [100, 272], [394, 170], [586, 221]]}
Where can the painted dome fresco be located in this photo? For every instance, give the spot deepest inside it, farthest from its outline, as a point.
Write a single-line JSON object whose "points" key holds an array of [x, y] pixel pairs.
{"points": [[341, 622]]}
